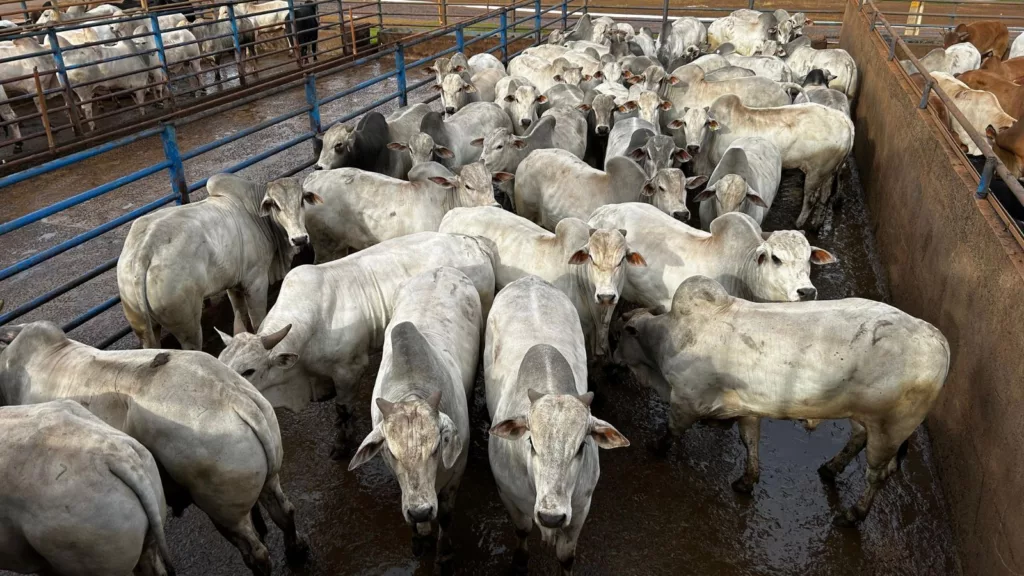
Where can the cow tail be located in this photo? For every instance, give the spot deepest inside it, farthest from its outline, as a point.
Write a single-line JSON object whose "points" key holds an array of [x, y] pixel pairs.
{"points": [[154, 507], [146, 310], [792, 88]]}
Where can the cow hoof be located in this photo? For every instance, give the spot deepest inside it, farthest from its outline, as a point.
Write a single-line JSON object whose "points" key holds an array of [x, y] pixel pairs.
{"points": [[298, 553], [743, 485], [847, 519], [827, 474]]}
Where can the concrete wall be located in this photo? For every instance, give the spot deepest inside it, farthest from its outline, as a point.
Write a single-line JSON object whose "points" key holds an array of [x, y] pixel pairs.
{"points": [[951, 261]]}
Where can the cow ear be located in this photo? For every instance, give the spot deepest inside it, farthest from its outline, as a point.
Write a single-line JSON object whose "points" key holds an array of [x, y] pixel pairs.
{"points": [[713, 125], [445, 153], [478, 142], [631, 80], [436, 87], [583, 107], [623, 231], [762, 253], [587, 78], [469, 89], [510, 98], [635, 258], [705, 194], [606, 436], [648, 189], [626, 107], [285, 360], [677, 124], [820, 256], [430, 70], [638, 154], [599, 74], [397, 146], [371, 445], [511, 429], [502, 176], [754, 198], [990, 132], [580, 256], [557, 78], [542, 99], [963, 36], [519, 143], [666, 105], [626, 73], [695, 182], [773, 30], [442, 181], [681, 154], [673, 80], [223, 337], [451, 443], [459, 68], [312, 198]]}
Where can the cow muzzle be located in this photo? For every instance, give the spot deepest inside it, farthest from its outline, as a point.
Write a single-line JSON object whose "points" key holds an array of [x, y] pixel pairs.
{"points": [[299, 240], [682, 215], [449, 110], [693, 149], [607, 299], [603, 130], [423, 513], [526, 122], [805, 294], [552, 519]]}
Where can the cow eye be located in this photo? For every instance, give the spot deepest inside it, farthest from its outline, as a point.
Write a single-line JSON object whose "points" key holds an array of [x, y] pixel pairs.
{"points": [[579, 452], [776, 260], [247, 373], [499, 146], [530, 440]]}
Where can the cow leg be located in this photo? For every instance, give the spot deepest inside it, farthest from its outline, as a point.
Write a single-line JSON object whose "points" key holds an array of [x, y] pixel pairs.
{"points": [[256, 301], [197, 71], [243, 536], [344, 384], [85, 94], [882, 450], [750, 433], [824, 202], [259, 523], [812, 190], [7, 115], [565, 546], [681, 417], [445, 550], [238, 306], [524, 525], [282, 513], [834, 467]]}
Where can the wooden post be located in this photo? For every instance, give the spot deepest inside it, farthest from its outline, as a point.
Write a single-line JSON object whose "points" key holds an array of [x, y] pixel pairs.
{"points": [[44, 114], [352, 30]]}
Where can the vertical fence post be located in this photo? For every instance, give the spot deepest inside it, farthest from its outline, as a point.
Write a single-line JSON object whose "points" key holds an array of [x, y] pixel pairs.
{"points": [[239, 57], [341, 29], [380, 21], [750, 4], [403, 95], [170, 139], [536, 23], [43, 112], [158, 38], [924, 94], [586, 6], [460, 38], [62, 74], [314, 113], [986, 177], [24, 12], [503, 22], [352, 30], [444, 12], [664, 14], [565, 14]]}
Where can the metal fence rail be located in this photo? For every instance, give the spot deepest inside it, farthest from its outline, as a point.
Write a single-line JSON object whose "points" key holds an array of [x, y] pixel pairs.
{"points": [[993, 166], [503, 27]]}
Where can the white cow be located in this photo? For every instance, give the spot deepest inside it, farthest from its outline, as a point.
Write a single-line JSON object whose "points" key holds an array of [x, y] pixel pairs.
{"points": [[17, 77], [361, 208], [300, 355], [240, 239], [456, 92], [1017, 48], [544, 441], [811, 137], [955, 60], [79, 496], [681, 41], [458, 131], [554, 184], [981, 108], [719, 357], [735, 253], [588, 265], [771, 67], [543, 74], [213, 434], [802, 58], [520, 100], [747, 31], [181, 50], [485, 61], [88, 71], [420, 406], [422, 149], [816, 90], [691, 90], [745, 180]]}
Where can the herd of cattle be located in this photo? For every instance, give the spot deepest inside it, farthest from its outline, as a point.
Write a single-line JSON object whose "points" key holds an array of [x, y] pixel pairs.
{"points": [[119, 52], [582, 140], [983, 73]]}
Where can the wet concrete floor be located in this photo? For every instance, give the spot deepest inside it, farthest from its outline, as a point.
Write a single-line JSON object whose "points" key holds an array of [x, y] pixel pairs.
{"points": [[676, 515]]}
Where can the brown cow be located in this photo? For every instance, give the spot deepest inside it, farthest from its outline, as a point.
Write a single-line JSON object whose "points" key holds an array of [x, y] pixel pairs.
{"points": [[1008, 144], [1010, 95], [934, 102], [985, 35], [1012, 69]]}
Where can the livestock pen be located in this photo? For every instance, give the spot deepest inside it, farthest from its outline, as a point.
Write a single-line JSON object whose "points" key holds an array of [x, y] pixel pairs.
{"points": [[64, 221]]}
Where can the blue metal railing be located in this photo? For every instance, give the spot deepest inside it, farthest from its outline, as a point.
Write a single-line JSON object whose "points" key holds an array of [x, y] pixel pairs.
{"points": [[179, 187]]}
